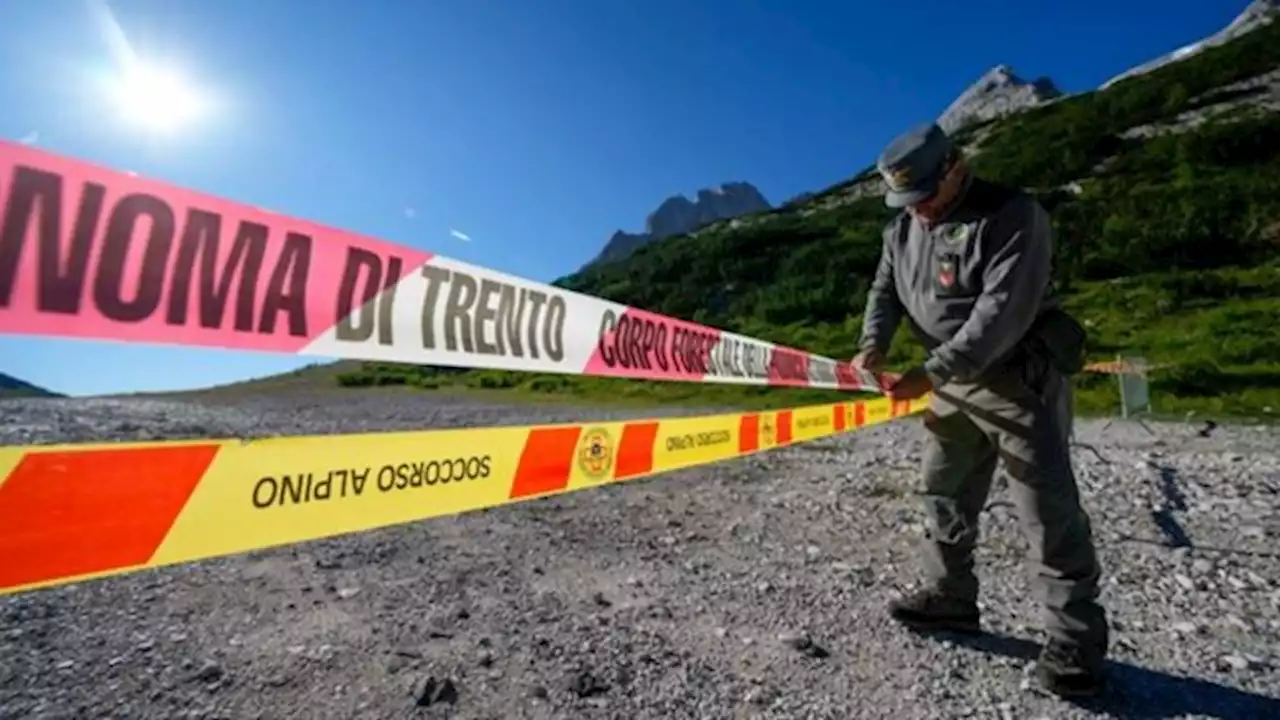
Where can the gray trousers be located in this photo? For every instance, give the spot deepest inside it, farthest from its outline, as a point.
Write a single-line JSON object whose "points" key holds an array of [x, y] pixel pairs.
{"points": [[1021, 414]]}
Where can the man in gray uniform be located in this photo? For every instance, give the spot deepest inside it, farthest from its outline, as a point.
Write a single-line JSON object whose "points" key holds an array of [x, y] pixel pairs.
{"points": [[968, 266]]}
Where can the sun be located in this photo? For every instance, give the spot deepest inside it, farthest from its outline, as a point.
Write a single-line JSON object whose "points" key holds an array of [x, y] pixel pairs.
{"points": [[157, 98]]}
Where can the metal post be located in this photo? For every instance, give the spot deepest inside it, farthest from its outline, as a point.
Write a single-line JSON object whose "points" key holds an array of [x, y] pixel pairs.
{"points": [[1135, 390]]}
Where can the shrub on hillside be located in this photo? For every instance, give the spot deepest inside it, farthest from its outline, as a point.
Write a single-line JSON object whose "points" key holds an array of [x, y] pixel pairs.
{"points": [[1199, 378]]}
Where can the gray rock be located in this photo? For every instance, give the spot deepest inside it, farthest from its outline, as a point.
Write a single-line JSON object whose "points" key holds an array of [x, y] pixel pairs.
{"points": [[678, 215], [437, 691], [584, 582], [1235, 662], [997, 93], [208, 672]]}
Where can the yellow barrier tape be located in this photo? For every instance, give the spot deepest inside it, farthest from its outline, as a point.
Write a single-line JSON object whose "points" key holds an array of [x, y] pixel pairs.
{"points": [[74, 512]]}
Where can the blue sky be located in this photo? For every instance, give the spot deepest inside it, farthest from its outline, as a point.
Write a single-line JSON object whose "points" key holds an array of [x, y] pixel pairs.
{"points": [[535, 127]]}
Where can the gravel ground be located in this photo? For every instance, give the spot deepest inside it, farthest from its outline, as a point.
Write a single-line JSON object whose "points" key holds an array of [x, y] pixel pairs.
{"points": [[754, 588]]}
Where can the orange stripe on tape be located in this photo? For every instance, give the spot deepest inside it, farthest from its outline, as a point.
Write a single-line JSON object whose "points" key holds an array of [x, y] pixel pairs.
{"points": [[837, 417], [784, 427], [749, 434], [859, 414], [546, 461], [73, 513], [635, 452]]}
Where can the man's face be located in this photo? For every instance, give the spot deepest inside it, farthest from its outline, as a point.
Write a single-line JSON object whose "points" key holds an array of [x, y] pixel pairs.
{"points": [[933, 207]]}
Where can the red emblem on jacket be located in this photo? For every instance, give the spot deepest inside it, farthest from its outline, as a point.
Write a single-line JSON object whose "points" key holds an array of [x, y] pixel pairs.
{"points": [[947, 275]]}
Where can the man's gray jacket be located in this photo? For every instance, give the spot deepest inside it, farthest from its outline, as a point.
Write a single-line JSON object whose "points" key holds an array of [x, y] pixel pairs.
{"points": [[970, 286]]}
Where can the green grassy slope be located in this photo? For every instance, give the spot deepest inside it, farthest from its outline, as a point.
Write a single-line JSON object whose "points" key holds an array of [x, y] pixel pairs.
{"points": [[1168, 246], [12, 387]]}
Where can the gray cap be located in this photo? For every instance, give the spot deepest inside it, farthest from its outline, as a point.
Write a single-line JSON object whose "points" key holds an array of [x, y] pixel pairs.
{"points": [[913, 164]]}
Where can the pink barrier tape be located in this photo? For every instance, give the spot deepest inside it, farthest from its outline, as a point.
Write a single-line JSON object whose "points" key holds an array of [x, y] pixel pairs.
{"points": [[89, 252]]}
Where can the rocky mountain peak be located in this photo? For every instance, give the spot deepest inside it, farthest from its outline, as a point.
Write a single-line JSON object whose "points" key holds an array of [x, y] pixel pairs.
{"points": [[1258, 13], [678, 215], [998, 92], [999, 75]]}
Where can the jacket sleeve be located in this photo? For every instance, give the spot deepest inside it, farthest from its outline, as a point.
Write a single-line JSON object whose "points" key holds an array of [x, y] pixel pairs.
{"points": [[1017, 273], [884, 308]]}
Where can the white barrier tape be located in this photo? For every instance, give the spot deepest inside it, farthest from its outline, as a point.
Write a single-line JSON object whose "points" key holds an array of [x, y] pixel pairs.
{"points": [[87, 252]]}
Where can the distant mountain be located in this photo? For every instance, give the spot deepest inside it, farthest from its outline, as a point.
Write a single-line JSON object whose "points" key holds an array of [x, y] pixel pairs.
{"points": [[1257, 14], [678, 215], [12, 387], [1001, 92], [1165, 195], [997, 93]]}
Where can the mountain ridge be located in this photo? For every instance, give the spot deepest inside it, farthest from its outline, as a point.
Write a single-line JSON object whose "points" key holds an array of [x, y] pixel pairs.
{"points": [[677, 215], [12, 387], [1257, 14], [997, 93], [1165, 199]]}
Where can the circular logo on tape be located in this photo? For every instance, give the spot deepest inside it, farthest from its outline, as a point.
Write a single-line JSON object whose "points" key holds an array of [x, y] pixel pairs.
{"points": [[595, 453]]}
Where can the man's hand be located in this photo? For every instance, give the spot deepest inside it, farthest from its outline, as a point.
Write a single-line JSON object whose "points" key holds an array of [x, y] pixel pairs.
{"points": [[872, 360], [913, 384]]}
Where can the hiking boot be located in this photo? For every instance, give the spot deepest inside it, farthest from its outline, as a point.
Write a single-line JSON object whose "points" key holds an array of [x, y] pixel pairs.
{"points": [[933, 610], [1069, 670]]}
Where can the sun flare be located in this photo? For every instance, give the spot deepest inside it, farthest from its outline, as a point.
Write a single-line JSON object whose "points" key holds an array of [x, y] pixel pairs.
{"points": [[158, 98]]}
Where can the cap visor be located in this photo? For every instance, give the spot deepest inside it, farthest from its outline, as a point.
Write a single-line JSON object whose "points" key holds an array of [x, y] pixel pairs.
{"points": [[909, 197]]}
